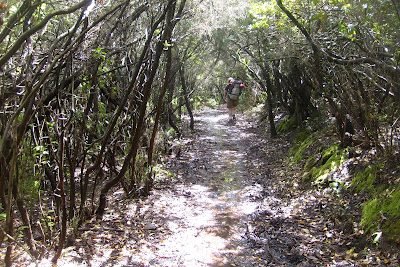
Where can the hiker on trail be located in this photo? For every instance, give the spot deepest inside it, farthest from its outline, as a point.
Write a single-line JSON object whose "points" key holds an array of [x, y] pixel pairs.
{"points": [[233, 90]]}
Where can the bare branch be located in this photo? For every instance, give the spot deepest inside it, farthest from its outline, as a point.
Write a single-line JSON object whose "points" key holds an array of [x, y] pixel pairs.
{"points": [[37, 27]]}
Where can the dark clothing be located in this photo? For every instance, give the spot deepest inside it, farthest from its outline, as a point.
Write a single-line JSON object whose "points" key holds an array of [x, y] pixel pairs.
{"points": [[227, 88]]}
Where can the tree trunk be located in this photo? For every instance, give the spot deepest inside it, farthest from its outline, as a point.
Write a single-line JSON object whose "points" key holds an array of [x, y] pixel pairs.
{"points": [[26, 222], [185, 94], [268, 88], [149, 182], [61, 192], [170, 112], [9, 224]]}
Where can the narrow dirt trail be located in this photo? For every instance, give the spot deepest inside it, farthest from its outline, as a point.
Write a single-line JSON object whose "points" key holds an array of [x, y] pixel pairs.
{"points": [[205, 214], [224, 198], [218, 202]]}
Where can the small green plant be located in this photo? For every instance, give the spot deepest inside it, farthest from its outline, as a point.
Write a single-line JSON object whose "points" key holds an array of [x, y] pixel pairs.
{"points": [[98, 53], [377, 237], [300, 150], [287, 125]]}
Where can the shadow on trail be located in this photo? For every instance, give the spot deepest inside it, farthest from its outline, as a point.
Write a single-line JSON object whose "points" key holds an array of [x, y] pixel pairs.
{"points": [[224, 185]]}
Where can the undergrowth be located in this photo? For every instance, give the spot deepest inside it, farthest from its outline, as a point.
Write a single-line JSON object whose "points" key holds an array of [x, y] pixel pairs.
{"points": [[326, 165]]}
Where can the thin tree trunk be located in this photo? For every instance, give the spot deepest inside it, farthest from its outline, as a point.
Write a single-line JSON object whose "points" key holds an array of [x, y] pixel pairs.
{"points": [[170, 112], [149, 182], [61, 192], [271, 115], [26, 222], [72, 185], [265, 73], [185, 95], [9, 225], [9, 230]]}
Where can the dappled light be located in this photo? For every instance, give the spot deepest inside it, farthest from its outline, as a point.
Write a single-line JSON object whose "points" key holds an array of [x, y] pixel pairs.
{"points": [[199, 133]]}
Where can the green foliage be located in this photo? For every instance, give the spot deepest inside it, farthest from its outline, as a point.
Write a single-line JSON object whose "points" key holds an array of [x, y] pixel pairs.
{"points": [[29, 187], [40, 153], [287, 125], [201, 102], [169, 134], [31, 162], [48, 219], [98, 53]]}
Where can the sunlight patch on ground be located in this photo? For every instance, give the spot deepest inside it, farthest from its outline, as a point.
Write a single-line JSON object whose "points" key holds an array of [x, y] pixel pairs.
{"points": [[193, 247], [214, 119], [198, 225]]}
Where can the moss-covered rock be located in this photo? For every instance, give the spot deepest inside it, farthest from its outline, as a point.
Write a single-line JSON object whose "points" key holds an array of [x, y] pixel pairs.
{"points": [[300, 151], [312, 161], [370, 215], [383, 214], [324, 163], [320, 162], [332, 157], [364, 181], [391, 227], [301, 136]]}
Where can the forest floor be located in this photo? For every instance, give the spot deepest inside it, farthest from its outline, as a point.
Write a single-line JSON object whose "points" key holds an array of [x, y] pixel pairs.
{"points": [[225, 197]]}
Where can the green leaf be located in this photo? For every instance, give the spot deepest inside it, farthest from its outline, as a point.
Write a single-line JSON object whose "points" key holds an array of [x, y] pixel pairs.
{"points": [[166, 44], [378, 236]]}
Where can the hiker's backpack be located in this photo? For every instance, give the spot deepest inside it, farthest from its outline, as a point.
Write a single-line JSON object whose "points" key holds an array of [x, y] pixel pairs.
{"points": [[235, 90]]}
